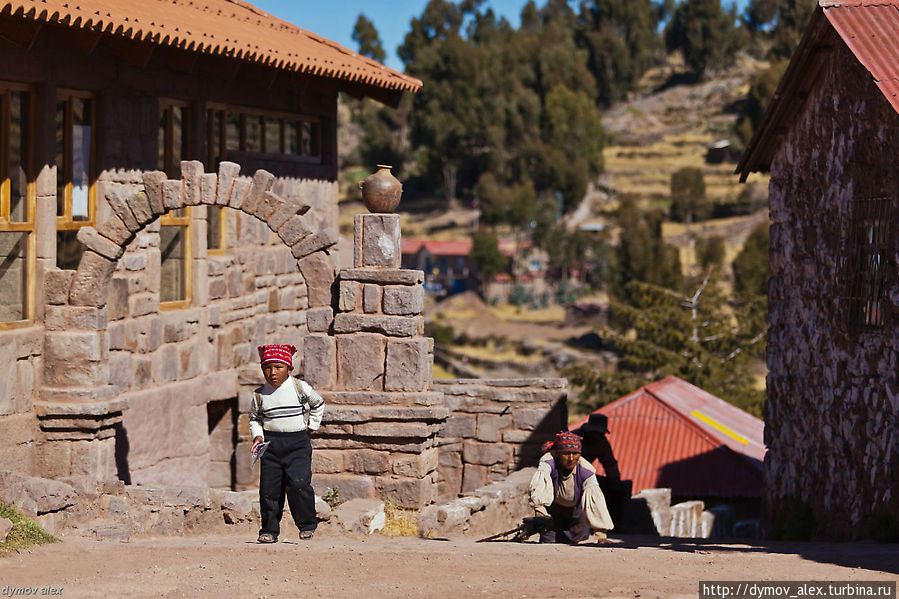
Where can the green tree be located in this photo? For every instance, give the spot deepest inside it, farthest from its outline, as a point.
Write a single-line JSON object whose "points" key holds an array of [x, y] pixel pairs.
{"points": [[621, 38], [761, 90], [688, 199], [642, 254], [704, 33], [710, 251], [751, 264], [366, 35], [486, 255]]}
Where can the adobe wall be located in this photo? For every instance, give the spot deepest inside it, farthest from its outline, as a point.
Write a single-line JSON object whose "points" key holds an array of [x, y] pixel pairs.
{"points": [[832, 414]]}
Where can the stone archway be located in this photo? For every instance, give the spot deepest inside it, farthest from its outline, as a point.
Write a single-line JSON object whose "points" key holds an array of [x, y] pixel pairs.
{"points": [[78, 409]]}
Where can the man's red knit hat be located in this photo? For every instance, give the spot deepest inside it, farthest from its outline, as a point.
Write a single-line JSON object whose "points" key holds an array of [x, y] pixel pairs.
{"points": [[566, 441], [277, 353]]}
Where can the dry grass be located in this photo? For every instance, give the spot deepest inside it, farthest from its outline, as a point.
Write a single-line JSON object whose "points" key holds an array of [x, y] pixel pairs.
{"points": [[490, 353], [25, 532], [442, 373], [542, 315], [400, 522]]}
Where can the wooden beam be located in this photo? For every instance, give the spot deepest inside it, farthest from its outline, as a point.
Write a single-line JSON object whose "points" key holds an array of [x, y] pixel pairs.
{"points": [[219, 67], [178, 59], [259, 76], [81, 40], [20, 33], [134, 52]]}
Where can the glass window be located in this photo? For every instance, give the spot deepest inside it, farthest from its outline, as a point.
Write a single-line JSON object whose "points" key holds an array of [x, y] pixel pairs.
{"points": [[74, 172], [232, 131], [215, 228], [292, 138], [174, 248], [252, 133], [215, 122], [174, 142], [272, 136], [16, 204], [867, 261]]}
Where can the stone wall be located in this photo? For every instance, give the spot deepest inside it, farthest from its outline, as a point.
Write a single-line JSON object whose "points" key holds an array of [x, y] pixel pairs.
{"points": [[832, 414], [496, 426]]}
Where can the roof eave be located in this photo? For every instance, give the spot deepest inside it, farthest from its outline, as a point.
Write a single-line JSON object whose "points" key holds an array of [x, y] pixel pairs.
{"points": [[753, 158]]}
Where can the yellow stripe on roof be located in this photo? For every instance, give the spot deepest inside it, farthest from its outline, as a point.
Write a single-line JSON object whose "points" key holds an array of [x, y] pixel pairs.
{"points": [[717, 425]]}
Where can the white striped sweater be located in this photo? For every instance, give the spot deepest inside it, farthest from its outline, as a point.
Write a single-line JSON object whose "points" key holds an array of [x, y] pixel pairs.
{"points": [[282, 410]]}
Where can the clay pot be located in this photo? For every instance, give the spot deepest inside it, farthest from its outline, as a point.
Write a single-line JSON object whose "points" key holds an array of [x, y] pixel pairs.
{"points": [[381, 191]]}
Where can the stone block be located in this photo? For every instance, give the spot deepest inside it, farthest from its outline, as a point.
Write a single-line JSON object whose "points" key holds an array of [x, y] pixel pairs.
{"points": [[318, 272], [366, 461], [153, 186], [95, 458], [351, 486], [403, 299], [239, 190], [145, 495], [360, 516], [171, 195], [486, 454], [267, 206], [320, 361], [490, 427], [318, 320], [371, 298], [115, 197], [208, 185], [295, 229], [117, 300], [5, 527], [314, 243], [96, 242], [56, 285], [360, 362], [228, 172], [90, 281], [186, 497], [262, 182], [191, 181], [474, 477], [394, 326], [68, 318], [460, 425], [289, 207], [409, 365], [116, 231], [377, 241], [419, 430], [390, 276], [409, 493], [415, 466], [350, 296], [328, 461], [62, 348], [139, 204], [529, 419]]}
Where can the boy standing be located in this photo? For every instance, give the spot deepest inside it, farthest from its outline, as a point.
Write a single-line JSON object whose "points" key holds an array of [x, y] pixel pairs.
{"points": [[285, 410]]}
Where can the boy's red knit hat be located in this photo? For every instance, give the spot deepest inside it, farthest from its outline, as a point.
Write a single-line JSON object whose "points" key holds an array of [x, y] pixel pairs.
{"points": [[277, 353]]}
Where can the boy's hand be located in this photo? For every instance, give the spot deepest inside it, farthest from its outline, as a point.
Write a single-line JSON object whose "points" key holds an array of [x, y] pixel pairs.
{"points": [[256, 443]]}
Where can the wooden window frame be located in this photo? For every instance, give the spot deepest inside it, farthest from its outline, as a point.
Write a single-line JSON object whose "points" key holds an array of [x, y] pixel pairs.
{"points": [[223, 229], [244, 113], [171, 220], [165, 110], [27, 226], [65, 221]]}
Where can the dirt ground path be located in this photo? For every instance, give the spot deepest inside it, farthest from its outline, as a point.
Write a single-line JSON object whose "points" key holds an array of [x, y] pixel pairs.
{"points": [[375, 567]]}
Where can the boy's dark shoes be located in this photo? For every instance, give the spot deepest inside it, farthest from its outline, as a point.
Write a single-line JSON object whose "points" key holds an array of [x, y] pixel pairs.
{"points": [[267, 537], [305, 535]]}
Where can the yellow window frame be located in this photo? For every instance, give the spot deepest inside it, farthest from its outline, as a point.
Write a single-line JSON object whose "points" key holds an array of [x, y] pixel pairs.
{"points": [[65, 222], [181, 218], [6, 222]]}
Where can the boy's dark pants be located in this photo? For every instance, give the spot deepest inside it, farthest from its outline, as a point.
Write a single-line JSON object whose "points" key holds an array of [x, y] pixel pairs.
{"points": [[569, 525], [286, 467]]}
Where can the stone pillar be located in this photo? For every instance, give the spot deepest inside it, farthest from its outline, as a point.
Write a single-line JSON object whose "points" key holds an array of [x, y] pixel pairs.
{"points": [[368, 355]]}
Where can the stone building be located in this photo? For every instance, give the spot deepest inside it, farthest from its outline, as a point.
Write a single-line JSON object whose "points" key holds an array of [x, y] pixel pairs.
{"points": [[830, 139], [168, 201]]}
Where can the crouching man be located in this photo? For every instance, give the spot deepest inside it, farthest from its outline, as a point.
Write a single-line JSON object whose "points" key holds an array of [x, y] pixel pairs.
{"points": [[564, 489]]}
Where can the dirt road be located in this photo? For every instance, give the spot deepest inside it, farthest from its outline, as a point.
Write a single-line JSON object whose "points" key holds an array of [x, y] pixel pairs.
{"points": [[374, 567]]}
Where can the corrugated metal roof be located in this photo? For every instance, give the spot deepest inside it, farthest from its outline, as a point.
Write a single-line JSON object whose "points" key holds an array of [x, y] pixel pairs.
{"points": [[228, 28], [869, 28], [673, 434], [438, 247]]}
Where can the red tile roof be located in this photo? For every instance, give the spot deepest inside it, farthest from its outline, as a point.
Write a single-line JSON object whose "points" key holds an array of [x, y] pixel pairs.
{"points": [[438, 248], [220, 27], [673, 434], [869, 28]]}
